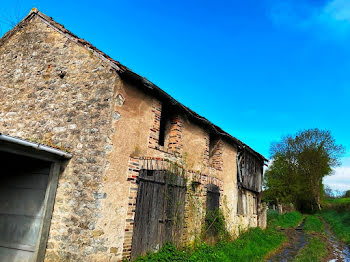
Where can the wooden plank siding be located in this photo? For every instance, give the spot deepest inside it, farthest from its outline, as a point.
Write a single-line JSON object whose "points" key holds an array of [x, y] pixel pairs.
{"points": [[159, 211], [250, 171]]}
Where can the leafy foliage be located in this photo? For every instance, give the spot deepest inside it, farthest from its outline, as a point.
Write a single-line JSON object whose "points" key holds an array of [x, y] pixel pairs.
{"points": [[299, 164], [347, 194], [215, 226]]}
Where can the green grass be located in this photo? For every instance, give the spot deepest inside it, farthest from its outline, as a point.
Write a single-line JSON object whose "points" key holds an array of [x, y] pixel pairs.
{"points": [[253, 245], [345, 200], [287, 220], [314, 251], [339, 222], [313, 224]]}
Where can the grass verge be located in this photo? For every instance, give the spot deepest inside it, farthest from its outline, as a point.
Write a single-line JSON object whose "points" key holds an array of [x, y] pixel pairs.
{"points": [[253, 245], [339, 222], [338, 201], [315, 250], [287, 220], [313, 224]]}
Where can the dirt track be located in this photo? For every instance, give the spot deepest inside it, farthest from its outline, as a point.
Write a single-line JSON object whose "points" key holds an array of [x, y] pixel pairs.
{"points": [[297, 239]]}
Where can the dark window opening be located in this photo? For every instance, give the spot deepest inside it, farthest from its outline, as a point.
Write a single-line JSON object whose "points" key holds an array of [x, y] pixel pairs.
{"points": [[213, 197], [213, 220], [255, 205], [213, 140], [240, 207], [164, 118], [168, 113]]}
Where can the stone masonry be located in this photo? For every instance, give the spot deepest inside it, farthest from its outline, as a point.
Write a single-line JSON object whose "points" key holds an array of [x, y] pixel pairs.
{"points": [[59, 90]]}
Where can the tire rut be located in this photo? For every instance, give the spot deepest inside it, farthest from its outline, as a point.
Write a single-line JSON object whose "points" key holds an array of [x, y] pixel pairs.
{"points": [[297, 239], [339, 250]]}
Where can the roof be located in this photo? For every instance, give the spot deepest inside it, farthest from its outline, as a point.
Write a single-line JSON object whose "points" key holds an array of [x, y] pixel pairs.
{"points": [[128, 74]]}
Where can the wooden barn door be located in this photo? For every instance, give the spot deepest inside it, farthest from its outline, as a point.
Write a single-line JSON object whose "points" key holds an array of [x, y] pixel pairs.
{"points": [[159, 211]]}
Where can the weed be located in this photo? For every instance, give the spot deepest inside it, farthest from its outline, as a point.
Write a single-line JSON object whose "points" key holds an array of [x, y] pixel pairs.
{"points": [[215, 226], [253, 245]]}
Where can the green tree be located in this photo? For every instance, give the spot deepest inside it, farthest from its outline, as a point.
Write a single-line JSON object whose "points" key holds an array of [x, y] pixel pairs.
{"points": [[347, 193], [299, 164]]}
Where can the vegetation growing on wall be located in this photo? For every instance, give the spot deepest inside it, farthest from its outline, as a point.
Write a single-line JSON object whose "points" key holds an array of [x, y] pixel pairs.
{"points": [[215, 227]]}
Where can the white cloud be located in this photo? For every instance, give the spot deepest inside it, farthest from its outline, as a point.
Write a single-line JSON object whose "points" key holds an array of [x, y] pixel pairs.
{"points": [[341, 178], [331, 17]]}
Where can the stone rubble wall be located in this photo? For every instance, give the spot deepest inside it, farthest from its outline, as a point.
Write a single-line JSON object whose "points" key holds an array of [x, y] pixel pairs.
{"points": [[56, 92]]}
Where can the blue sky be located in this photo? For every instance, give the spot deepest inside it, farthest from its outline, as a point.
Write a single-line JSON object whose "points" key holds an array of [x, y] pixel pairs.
{"points": [[259, 69]]}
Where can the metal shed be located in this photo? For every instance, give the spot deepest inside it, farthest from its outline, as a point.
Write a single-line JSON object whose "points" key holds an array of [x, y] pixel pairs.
{"points": [[29, 175]]}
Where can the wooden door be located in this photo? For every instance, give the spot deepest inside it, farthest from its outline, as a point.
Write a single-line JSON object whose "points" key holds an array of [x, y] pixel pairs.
{"points": [[22, 194], [159, 211]]}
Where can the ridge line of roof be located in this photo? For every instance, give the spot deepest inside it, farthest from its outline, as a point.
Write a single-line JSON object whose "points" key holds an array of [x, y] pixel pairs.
{"points": [[125, 71]]}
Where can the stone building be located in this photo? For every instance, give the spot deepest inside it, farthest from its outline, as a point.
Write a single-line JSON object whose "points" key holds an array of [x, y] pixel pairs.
{"points": [[98, 163]]}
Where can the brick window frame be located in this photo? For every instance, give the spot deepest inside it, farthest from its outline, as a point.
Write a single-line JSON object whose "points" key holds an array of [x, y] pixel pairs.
{"points": [[172, 129], [216, 148]]}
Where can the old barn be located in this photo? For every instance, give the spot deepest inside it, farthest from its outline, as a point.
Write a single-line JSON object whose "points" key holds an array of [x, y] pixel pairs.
{"points": [[100, 164]]}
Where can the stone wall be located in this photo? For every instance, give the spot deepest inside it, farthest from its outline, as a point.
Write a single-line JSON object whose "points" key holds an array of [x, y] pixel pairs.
{"points": [[57, 92]]}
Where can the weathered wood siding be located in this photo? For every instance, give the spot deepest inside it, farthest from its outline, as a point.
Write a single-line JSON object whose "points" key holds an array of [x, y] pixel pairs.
{"points": [[250, 170], [159, 211]]}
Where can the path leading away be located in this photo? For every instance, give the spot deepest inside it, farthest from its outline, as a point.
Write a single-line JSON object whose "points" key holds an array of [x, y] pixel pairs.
{"points": [[297, 239], [340, 251]]}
